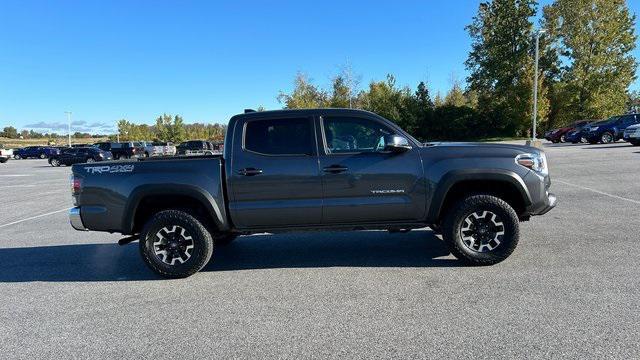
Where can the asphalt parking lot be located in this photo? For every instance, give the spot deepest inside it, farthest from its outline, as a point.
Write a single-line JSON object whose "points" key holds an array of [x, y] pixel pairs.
{"points": [[570, 290]]}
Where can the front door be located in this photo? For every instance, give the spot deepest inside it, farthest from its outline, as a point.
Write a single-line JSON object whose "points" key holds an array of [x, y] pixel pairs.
{"points": [[274, 177], [363, 183]]}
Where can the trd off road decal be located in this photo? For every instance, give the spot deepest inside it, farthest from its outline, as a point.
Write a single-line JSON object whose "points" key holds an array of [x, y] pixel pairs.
{"points": [[109, 169]]}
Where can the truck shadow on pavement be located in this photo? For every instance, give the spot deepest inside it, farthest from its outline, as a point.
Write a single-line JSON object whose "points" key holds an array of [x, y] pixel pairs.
{"points": [[111, 262]]}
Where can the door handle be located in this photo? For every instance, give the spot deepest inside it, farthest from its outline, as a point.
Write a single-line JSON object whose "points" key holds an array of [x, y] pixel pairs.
{"points": [[335, 169], [249, 172]]}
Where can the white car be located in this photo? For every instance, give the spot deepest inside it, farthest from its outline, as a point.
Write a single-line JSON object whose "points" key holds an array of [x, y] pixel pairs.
{"points": [[632, 134], [158, 148], [5, 154]]}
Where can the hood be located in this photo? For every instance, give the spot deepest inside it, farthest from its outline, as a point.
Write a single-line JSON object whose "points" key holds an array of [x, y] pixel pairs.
{"points": [[484, 147]]}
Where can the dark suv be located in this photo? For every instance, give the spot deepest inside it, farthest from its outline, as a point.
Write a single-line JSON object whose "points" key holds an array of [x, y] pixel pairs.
{"points": [[70, 156], [610, 130]]}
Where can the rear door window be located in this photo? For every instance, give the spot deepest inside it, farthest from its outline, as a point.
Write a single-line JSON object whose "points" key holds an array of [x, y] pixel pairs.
{"points": [[279, 136]]}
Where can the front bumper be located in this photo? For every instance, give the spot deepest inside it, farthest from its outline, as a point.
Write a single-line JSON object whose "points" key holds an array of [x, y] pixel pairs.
{"points": [[541, 200], [75, 219], [550, 203], [631, 135], [592, 136]]}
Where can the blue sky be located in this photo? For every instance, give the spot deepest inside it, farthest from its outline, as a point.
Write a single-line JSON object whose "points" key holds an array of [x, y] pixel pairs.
{"points": [[206, 60]]}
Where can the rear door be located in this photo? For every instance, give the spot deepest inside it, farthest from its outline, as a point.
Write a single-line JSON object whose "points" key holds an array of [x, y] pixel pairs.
{"points": [[67, 156], [363, 183], [81, 156], [274, 178]]}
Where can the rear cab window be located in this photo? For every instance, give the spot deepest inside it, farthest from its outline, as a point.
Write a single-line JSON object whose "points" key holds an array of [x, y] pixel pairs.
{"points": [[279, 136]]}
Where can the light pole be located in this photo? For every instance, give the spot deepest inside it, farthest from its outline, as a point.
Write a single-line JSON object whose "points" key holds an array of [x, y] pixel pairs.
{"points": [[535, 85], [68, 126]]}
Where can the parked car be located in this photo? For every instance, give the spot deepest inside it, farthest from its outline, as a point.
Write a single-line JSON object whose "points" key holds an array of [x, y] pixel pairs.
{"points": [[632, 134], [559, 135], [288, 170], [5, 154], [577, 134], [41, 152], [196, 147], [77, 155], [610, 130], [122, 150], [157, 148]]}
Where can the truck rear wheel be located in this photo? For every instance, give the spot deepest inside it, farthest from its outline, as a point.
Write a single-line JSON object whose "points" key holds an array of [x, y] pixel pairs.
{"points": [[481, 230], [175, 244]]}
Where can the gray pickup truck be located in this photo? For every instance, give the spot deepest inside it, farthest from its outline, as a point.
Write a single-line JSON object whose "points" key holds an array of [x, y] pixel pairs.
{"points": [[323, 169]]}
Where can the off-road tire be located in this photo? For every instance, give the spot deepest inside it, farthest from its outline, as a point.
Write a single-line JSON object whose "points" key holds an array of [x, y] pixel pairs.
{"points": [[202, 241], [453, 221]]}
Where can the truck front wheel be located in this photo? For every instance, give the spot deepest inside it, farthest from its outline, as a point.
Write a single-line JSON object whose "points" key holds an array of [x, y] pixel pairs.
{"points": [[481, 230], [175, 244]]}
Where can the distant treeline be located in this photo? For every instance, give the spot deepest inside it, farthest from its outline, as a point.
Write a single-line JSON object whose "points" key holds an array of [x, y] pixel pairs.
{"points": [[12, 133], [168, 128]]}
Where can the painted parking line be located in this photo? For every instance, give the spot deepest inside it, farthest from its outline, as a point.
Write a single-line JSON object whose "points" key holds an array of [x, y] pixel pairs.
{"points": [[33, 217], [598, 191], [13, 186], [15, 175]]}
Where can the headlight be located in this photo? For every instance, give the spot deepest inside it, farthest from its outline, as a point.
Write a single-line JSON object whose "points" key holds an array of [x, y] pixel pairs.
{"points": [[535, 162], [594, 128]]}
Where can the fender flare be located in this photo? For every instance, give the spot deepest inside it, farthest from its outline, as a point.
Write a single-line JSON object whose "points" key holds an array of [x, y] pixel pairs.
{"points": [[195, 192], [455, 176]]}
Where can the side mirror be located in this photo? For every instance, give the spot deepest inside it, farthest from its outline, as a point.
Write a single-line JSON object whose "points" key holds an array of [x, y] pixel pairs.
{"points": [[396, 144]]}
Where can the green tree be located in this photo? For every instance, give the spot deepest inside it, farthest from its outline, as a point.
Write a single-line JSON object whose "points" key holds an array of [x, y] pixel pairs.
{"points": [[162, 127], [394, 103], [595, 39], [177, 132], [424, 111], [455, 96], [341, 93], [500, 62], [305, 95], [438, 101], [10, 132]]}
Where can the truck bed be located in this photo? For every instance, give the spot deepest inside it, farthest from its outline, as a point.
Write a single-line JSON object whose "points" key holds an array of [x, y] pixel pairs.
{"points": [[112, 191]]}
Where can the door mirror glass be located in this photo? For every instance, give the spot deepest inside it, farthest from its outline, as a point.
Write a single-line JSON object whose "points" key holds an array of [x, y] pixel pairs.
{"points": [[396, 144]]}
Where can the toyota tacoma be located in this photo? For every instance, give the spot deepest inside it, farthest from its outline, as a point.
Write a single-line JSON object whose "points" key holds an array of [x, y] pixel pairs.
{"points": [[318, 170]]}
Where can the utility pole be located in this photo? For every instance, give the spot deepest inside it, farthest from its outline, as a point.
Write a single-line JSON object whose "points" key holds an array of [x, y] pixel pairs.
{"points": [[535, 85], [68, 126]]}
